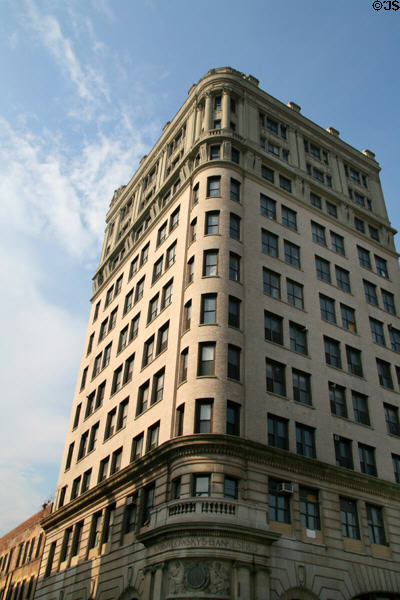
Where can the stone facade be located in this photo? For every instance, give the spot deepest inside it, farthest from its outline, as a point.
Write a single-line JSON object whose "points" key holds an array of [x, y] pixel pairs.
{"points": [[235, 431]]}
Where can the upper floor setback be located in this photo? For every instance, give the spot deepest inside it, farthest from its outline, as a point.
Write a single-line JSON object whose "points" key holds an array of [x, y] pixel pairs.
{"points": [[227, 117]]}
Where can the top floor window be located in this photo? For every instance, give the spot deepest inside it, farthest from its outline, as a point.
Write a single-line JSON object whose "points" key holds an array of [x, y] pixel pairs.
{"points": [[214, 186]]}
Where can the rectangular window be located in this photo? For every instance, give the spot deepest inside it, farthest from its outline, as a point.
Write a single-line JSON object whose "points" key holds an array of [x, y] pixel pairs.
{"points": [[273, 327], [110, 423], [275, 377], [148, 350], [267, 173], [278, 503], [323, 269], [96, 311], [396, 467], [166, 295], [113, 319], [309, 508], [123, 338], [128, 369], [289, 218], [394, 335], [232, 418], [143, 397], [161, 235], [139, 290], [298, 338], [109, 296], [268, 207], [157, 269], [210, 263], [152, 436], [349, 518], [50, 559], [360, 408], [235, 190], [331, 209], [233, 366], [133, 267], [370, 293], [116, 459], [305, 440], [203, 416], [343, 279], [211, 222], [354, 364], [83, 445], [301, 387], [269, 243], [235, 154], [315, 200], [285, 183], [208, 309], [162, 338], [377, 332], [75, 487], [234, 312], [348, 318], [318, 234], [128, 302], [158, 386], [234, 266], [85, 372], [231, 487], [337, 398], [174, 218], [271, 283], [109, 517], [106, 356], [234, 226], [375, 524], [327, 306], [381, 267], [388, 302], [93, 436], [295, 294], [392, 419], [214, 186], [90, 344], [201, 485], [206, 359], [134, 327], [343, 452], [292, 254], [367, 459], [337, 243], [103, 469], [180, 417], [148, 503], [77, 415], [364, 257], [137, 447], [384, 373], [215, 152], [278, 432], [187, 315], [332, 353], [94, 536]]}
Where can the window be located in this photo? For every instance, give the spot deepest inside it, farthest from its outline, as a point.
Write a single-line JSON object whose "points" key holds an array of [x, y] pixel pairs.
{"points": [[301, 387], [90, 344], [388, 302], [370, 293], [174, 219], [62, 496], [337, 398], [359, 225], [214, 186], [123, 338], [217, 103], [85, 372], [233, 367], [110, 423], [367, 459], [157, 269], [231, 486], [170, 255], [332, 353], [106, 356], [103, 329], [342, 279], [148, 350], [158, 386], [392, 419], [295, 294], [381, 267], [273, 327], [133, 267], [161, 234], [232, 418], [134, 327], [384, 373], [77, 415], [183, 367], [206, 359], [139, 290], [235, 190], [180, 414], [96, 311], [109, 296], [210, 263], [118, 285], [83, 445], [377, 331], [212, 223], [203, 416], [50, 559], [69, 456], [349, 518], [292, 254], [278, 432], [116, 459], [278, 503], [193, 230], [318, 234], [234, 312], [235, 154], [375, 524], [122, 414], [331, 209], [201, 485], [76, 541], [128, 369], [152, 436], [309, 508], [128, 302], [305, 440], [373, 232], [190, 270], [364, 257], [208, 309], [327, 306], [271, 283], [215, 152], [268, 207], [166, 295], [343, 452], [275, 377], [323, 269], [75, 487], [86, 480], [137, 447], [360, 408], [162, 338], [289, 218], [234, 266], [269, 243], [217, 124], [394, 335], [187, 314], [153, 308], [315, 200], [285, 183], [354, 364], [144, 255], [298, 338], [234, 226], [337, 243], [396, 467], [113, 319], [103, 469], [148, 503], [267, 173]]}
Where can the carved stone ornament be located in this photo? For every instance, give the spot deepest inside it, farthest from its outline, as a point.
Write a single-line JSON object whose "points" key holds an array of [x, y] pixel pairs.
{"points": [[176, 583], [211, 577], [197, 577]]}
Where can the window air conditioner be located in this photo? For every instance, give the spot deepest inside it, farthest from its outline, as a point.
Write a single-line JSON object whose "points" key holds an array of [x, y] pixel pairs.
{"points": [[285, 488]]}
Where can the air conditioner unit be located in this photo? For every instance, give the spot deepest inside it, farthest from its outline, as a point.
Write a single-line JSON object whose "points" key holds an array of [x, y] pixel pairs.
{"points": [[285, 488]]}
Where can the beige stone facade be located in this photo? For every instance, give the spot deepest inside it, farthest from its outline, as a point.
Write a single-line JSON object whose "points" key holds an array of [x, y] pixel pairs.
{"points": [[21, 552], [235, 430]]}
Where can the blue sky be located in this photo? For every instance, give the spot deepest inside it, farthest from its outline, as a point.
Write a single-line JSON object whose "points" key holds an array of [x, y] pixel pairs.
{"points": [[86, 88]]}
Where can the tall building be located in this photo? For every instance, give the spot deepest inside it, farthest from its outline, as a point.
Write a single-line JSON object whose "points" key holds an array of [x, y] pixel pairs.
{"points": [[235, 428]]}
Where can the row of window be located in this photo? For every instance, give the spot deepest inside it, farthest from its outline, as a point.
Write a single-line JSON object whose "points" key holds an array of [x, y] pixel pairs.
{"points": [[22, 590], [27, 551]]}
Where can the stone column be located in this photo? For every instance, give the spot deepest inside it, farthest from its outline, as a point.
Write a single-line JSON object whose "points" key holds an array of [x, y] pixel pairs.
{"points": [[207, 112], [226, 108], [158, 582], [197, 126]]}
